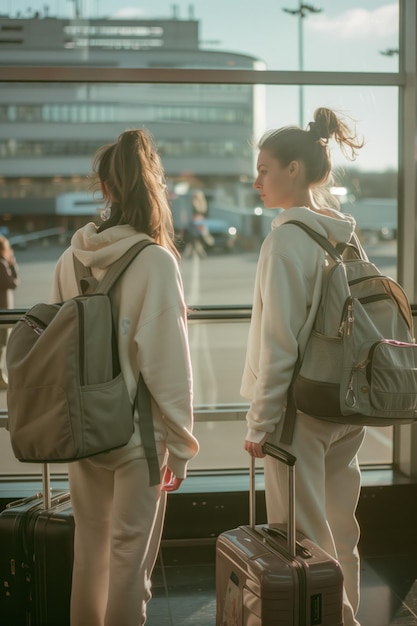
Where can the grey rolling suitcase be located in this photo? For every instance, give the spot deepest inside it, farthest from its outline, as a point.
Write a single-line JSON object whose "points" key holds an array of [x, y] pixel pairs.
{"points": [[271, 575]]}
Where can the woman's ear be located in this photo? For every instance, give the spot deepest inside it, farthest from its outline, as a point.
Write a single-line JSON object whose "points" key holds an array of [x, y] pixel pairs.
{"points": [[294, 168]]}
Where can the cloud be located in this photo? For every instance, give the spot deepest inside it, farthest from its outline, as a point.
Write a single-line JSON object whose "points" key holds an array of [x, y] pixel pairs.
{"points": [[359, 22]]}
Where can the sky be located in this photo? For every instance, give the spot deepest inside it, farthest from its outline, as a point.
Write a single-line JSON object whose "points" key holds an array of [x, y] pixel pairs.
{"points": [[345, 35]]}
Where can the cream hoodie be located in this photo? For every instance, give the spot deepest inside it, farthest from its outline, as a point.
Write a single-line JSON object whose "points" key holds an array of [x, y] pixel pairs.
{"points": [[152, 334], [286, 296]]}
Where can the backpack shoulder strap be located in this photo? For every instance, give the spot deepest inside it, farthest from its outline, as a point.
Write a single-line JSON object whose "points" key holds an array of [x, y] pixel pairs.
{"points": [[320, 239], [119, 266], [83, 275], [291, 410], [87, 282], [143, 398]]}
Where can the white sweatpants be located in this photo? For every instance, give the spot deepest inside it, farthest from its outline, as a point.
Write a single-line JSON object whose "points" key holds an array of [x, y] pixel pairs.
{"points": [[118, 527], [327, 484]]}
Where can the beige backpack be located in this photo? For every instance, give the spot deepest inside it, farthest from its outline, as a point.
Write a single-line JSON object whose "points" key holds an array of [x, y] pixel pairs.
{"points": [[360, 362], [66, 397]]}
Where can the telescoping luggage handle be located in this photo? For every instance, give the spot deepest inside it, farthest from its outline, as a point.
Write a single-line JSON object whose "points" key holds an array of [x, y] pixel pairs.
{"points": [[46, 486], [289, 460], [48, 500], [45, 495]]}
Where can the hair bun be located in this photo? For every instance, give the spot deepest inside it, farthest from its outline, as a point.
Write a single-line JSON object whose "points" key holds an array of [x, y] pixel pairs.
{"points": [[317, 131]]}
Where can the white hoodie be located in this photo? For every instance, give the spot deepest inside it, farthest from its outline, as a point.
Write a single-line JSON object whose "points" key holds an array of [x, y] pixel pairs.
{"points": [[152, 334], [287, 292]]}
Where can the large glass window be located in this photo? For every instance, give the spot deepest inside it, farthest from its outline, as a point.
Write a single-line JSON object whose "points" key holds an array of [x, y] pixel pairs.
{"points": [[207, 133], [213, 161], [212, 164]]}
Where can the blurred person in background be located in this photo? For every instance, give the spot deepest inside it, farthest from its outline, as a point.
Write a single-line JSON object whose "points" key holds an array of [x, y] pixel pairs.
{"points": [[9, 280]]}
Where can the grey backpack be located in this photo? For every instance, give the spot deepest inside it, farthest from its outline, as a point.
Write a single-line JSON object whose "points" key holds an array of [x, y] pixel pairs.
{"points": [[66, 396], [360, 362]]}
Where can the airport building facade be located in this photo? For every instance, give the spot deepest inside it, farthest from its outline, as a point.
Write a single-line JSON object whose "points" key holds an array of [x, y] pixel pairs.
{"points": [[49, 132]]}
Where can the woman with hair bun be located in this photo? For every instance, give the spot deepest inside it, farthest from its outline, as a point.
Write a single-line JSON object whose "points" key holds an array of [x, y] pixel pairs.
{"points": [[293, 164], [118, 511]]}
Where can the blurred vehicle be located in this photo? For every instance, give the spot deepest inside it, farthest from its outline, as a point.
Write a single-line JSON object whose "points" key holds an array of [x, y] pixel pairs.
{"points": [[376, 218], [222, 236]]}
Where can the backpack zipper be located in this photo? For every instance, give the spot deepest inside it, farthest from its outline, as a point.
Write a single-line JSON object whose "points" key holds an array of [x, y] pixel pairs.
{"points": [[34, 323], [375, 298], [350, 396], [363, 279], [347, 318]]}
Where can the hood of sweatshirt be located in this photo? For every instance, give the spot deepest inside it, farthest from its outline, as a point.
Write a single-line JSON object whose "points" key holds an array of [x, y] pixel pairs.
{"points": [[101, 249], [333, 225]]}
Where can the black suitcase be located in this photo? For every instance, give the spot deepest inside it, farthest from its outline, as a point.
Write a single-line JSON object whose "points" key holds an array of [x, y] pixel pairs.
{"points": [[270, 575], [36, 555]]}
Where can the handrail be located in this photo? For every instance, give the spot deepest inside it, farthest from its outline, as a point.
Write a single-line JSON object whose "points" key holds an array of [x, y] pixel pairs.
{"points": [[199, 312], [220, 413], [195, 312]]}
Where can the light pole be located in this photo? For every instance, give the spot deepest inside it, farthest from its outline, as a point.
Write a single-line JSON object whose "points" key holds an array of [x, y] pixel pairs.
{"points": [[390, 52], [302, 12]]}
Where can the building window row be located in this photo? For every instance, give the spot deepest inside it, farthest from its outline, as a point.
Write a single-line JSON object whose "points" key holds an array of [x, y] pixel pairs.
{"points": [[115, 44], [42, 187], [110, 31], [14, 148], [110, 112], [206, 149]]}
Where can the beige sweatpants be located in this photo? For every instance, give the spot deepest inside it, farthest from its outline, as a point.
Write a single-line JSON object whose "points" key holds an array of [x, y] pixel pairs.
{"points": [[119, 521], [327, 485]]}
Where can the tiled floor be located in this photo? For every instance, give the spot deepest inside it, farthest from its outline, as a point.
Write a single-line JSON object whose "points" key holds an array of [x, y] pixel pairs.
{"points": [[184, 589]]}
